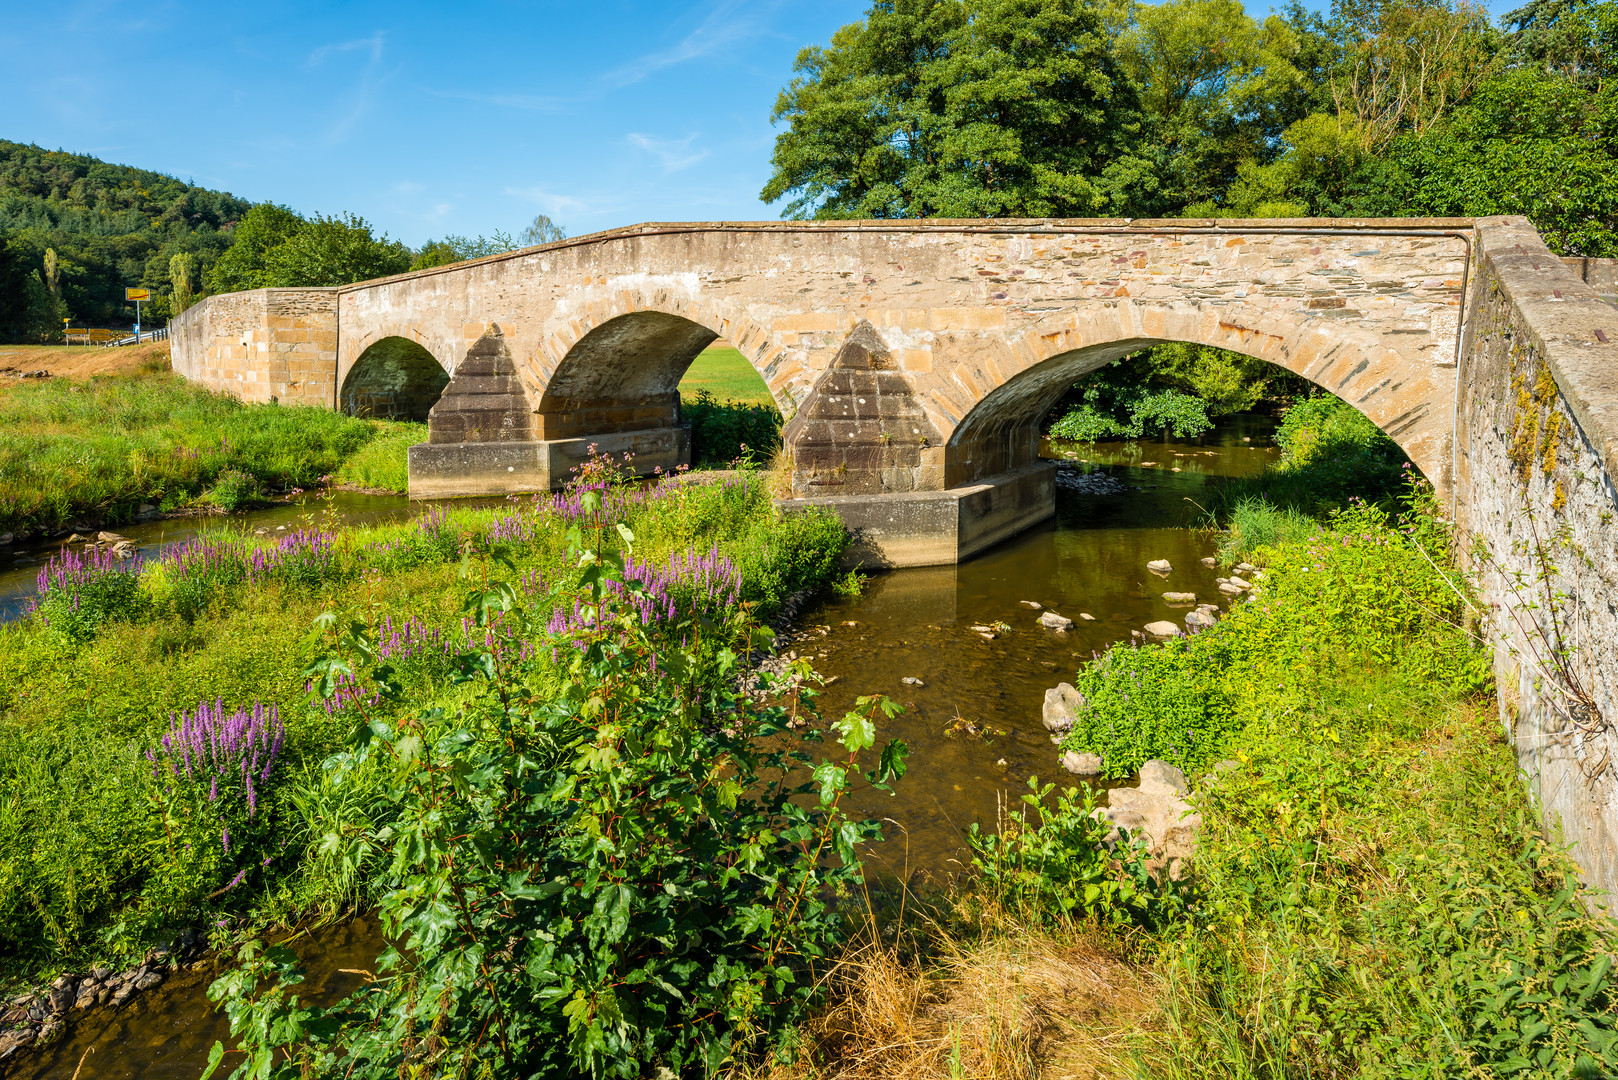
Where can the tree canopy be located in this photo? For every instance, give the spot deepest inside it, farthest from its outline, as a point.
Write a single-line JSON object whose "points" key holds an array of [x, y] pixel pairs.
{"points": [[1034, 108]]}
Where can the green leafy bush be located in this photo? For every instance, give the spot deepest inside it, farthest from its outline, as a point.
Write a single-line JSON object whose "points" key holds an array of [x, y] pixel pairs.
{"points": [[1160, 701], [1130, 412], [1051, 863], [231, 489], [617, 879], [722, 432]]}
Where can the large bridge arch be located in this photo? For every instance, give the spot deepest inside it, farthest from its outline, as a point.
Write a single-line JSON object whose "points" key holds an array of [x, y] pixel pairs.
{"points": [[999, 433]]}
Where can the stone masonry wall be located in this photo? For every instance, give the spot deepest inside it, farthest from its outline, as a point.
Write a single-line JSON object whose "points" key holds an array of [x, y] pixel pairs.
{"points": [[988, 321], [264, 345], [1536, 454]]}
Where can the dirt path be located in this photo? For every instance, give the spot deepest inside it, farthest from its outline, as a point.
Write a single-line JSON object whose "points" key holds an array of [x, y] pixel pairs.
{"points": [[80, 361]]}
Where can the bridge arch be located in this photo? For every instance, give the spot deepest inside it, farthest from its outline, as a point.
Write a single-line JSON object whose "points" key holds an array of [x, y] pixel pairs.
{"points": [[999, 431], [621, 371], [394, 378]]}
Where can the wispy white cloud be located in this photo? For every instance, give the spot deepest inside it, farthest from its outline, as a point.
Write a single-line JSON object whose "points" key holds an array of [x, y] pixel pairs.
{"points": [[552, 203], [727, 24], [372, 45], [525, 102], [673, 154], [360, 101]]}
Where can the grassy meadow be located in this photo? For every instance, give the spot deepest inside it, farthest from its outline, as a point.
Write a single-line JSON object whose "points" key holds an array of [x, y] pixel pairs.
{"points": [[726, 374]]}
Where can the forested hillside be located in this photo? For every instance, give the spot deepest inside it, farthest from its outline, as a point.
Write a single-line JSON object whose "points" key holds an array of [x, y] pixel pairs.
{"points": [[109, 227], [76, 231]]}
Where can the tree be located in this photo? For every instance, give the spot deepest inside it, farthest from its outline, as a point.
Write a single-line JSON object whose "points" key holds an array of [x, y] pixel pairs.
{"points": [[542, 230], [333, 251], [24, 300], [454, 249], [961, 108], [263, 228], [181, 295]]}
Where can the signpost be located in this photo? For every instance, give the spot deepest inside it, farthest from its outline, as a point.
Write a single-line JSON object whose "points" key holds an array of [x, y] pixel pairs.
{"points": [[138, 296]]}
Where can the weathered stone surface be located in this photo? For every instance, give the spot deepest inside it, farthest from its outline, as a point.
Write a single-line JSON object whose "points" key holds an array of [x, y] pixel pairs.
{"points": [[1082, 764], [1062, 706], [1199, 620], [1159, 776], [1159, 566], [1052, 621], [1179, 598], [1163, 629]]}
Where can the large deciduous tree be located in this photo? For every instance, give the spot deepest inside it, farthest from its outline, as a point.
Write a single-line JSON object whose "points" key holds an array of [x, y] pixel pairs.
{"points": [[961, 108]]}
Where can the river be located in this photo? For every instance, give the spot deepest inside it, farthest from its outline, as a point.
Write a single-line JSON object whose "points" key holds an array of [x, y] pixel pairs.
{"points": [[1090, 559]]}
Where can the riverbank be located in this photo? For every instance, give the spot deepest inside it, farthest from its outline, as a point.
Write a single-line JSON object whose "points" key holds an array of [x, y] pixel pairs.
{"points": [[110, 450], [1372, 892], [92, 683]]}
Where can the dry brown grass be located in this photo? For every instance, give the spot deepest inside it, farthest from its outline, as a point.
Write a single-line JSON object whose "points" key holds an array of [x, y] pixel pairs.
{"points": [[82, 362], [1023, 1005]]}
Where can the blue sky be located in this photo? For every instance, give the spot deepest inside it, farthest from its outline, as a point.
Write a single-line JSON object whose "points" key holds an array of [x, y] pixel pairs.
{"points": [[425, 119]]}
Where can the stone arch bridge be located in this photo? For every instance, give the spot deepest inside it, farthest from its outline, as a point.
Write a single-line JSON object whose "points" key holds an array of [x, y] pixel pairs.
{"points": [[915, 360]]}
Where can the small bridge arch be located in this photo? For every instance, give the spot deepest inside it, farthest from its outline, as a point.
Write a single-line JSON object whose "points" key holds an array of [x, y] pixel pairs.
{"points": [[393, 378]]}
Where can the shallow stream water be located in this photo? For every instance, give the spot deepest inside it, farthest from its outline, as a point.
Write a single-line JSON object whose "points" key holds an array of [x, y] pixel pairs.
{"points": [[1090, 559]]}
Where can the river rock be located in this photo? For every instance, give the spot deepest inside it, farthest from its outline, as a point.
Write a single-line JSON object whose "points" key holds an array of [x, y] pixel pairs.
{"points": [[1053, 621], [1162, 628], [1179, 598], [1210, 562], [1062, 707], [88, 993], [62, 993], [101, 973], [50, 1032], [1082, 764], [148, 980], [12, 1041], [1240, 583], [1199, 619], [1245, 568], [1033, 604], [1159, 776], [110, 537], [1230, 590], [1159, 566], [911, 680], [6, 538]]}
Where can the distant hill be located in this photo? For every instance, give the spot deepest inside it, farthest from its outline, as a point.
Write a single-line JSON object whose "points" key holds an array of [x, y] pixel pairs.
{"points": [[111, 227]]}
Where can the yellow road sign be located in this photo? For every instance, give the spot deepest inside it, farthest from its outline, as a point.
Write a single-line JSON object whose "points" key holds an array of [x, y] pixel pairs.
{"points": [[137, 294]]}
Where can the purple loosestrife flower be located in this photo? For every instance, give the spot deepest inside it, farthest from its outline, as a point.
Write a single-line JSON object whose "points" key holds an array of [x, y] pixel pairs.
{"points": [[240, 747]]}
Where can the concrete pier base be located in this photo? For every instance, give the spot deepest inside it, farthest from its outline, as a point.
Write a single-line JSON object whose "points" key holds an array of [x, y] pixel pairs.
{"points": [[938, 528], [455, 470]]}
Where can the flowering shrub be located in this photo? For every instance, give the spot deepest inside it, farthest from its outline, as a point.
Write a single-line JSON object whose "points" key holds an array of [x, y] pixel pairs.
{"points": [[617, 879], [211, 769], [82, 591], [302, 557]]}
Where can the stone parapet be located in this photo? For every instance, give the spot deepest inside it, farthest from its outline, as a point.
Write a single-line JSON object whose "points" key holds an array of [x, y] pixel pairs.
{"points": [[1536, 456]]}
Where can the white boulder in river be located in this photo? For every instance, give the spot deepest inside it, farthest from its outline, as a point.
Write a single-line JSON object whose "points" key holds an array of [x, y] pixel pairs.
{"points": [[1055, 622], [1158, 809], [1162, 628], [1063, 704], [1159, 566], [1082, 764], [1199, 619]]}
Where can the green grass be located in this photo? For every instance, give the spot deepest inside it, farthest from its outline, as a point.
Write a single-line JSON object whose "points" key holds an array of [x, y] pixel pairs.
{"points": [[382, 463], [100, 449], [726, 374], [88, 864]]}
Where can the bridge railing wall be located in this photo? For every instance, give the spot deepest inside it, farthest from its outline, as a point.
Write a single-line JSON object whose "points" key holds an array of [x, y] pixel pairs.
{"points": [[1536, 453], [263, 345]]}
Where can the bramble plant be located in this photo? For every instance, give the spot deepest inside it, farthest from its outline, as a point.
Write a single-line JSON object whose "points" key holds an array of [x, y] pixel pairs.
{"points": [[617, 878]]}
